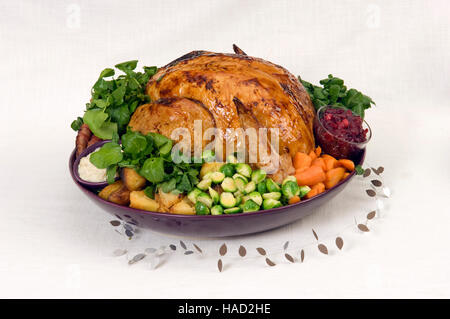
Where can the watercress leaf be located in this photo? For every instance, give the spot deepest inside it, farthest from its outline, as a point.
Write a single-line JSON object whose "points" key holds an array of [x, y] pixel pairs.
{"points": [[100, 103], [134, 142], [184, 184], [166, 148], [111, 172], [106, 72], [159, 139], [115, 138], [334, 93], [109, 154], [96, 119], [150, 70], [153, 170], [168, 186], [118, 94], [127, 66], [149, 191], [133, 106], [120, 115], [76, 125]]}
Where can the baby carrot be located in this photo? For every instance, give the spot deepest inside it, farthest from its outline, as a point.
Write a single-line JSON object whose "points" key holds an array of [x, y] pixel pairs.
{"points": [[313, 155], [311, 176], [294, 199], [330, 162], [333, 176], [347, 164], [316, 190], [346, 175], [319, 162], [301, 160]]}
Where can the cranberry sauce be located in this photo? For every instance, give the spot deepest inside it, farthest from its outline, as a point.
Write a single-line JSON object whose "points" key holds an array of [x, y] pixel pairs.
{"points": [[340, 133]]}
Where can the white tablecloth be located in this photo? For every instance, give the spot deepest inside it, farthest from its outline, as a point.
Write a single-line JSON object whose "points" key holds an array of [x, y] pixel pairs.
{"points": [[56, 244]]}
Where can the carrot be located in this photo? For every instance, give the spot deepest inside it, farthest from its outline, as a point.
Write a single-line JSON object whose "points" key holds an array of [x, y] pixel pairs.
{"points": [[347, 164], [300, 170], [319, 162], [346, 175], [333, 176], [313, 155], [294, 199], [330, 162], [301, 160], [311, 176], [318, 151], [316, 190]]}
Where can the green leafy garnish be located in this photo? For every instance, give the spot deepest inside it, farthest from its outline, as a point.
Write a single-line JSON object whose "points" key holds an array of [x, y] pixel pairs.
{"points": [[113, 101], [359, 170], [108, 154], [335, 93]]}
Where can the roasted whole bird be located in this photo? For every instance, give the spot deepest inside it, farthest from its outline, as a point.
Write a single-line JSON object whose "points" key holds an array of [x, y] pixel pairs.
{"points": [[230, 91]]}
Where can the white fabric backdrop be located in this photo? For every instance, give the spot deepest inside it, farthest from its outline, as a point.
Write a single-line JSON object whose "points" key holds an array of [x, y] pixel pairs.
{"points": [[55, 244]]}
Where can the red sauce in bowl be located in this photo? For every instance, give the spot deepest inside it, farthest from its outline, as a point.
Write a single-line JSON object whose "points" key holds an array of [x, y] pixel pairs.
{"points": [[340, 132]]}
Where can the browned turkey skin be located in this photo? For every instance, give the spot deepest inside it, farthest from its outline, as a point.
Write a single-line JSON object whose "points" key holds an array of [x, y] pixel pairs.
{"points": [[236, 91]]}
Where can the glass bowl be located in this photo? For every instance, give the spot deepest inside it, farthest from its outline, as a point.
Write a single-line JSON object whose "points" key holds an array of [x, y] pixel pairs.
{"points": [[337, 146]]}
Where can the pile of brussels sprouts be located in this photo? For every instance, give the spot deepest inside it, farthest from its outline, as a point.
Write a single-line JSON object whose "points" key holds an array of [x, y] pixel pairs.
{"points": [[244, 190]]}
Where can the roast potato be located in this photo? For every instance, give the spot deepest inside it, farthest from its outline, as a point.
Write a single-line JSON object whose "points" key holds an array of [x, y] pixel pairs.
{"points": [[108, 190], [139, 200], [132, 180], [167, 200], [210, 167], [184, 208], [121, 196]]}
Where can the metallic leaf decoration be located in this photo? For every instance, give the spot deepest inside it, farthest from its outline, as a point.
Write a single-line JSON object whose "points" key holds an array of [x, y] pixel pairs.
{"points": [[183, 245], [371, 215], [242, 251], [119, 252], [188, 252], [289, 257], [363, 228], [315, 235], [270, 262], [219, 265], [286, 245], [376, 182], [323, 249], [366, 172], [129, 233], [380, 170], [153, 261], [223, 250], [115, 223], [173, 247], [198, 248], [261, 251], [136, 258], [128, 227], [339, 242], [118, 216], [302, 255], [371, 192]]}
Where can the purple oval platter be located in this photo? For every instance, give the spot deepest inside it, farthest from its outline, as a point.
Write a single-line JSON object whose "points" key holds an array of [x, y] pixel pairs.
{"points": [[208, 226]]}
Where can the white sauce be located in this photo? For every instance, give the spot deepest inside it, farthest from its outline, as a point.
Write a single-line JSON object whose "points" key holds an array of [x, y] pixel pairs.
{"points": [[88, 172]]}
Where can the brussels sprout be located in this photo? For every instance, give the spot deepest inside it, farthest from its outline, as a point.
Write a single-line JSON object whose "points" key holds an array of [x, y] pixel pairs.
{"points": [[207, 175], [228, 169], [289, 178], [217, 210], [192, 196], [272, 186], [244, 169], [256, 197], [303, 190], [261, 187], [240, 184], [229, 185], [208, 156], [217, 177], [271, 203], [201, 209], [214, 195], [250, 206], [232, 159], [205, 199], [258, 176], [272, 195], [239, 199], [233, 210], [227, 200], [237, 175], [290, 189], [250, 187], [204, 184]]}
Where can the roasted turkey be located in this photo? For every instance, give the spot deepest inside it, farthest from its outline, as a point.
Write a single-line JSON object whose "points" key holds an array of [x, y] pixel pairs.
{"points": [[230, 91]]}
